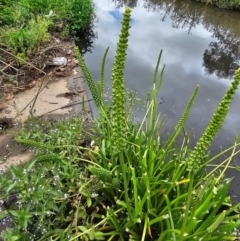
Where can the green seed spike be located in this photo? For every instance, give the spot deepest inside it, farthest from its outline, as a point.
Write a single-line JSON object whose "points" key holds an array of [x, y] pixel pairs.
{"points": [[34, 143], [157, 67], [101, 173], [116, 183], [160, 80], [148, 98], [217, 222], [187, 110], [48, 157], [195, 158], [118, 90], [89, 79], [156, 88], [102, 75]]}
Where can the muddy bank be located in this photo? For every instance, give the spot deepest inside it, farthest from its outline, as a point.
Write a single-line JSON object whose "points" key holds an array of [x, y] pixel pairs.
{"points": [[57, 94]]}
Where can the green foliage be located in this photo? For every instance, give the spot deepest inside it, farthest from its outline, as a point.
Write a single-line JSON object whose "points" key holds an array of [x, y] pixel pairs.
{"points": [[66, 32], [77, 13], [25, 24], [6, 15], [214, 126], [93, 88], [53, 192], [28, 39], [101, 81], [80, 14], [118, 89], [157, 196], [21, 58]]}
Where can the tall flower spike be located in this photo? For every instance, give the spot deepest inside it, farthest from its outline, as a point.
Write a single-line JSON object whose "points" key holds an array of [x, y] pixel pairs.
{"points": [[102, 75], [118, 90], [186, 112], [195, 158], [89, 79]]}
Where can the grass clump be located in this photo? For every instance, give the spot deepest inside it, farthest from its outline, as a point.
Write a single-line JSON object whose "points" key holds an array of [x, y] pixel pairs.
{"points": [[124, 183], [27, 40]]}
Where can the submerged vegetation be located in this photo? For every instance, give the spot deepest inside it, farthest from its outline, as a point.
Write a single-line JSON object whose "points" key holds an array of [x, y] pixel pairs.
{"points": [[114, 179]]}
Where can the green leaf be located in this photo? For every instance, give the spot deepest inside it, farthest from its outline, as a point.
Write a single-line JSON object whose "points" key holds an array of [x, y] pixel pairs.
{"points": [[82, 228], [123, 204], [99, 236], [14, 213], [92, 234], [81, 212], [3, 214], [14, 238], [16, 172], [89, 202]]}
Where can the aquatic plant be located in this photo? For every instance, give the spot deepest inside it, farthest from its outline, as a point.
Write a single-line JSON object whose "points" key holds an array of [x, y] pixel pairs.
{"points": [[102, 76], [214, 126], [158, 196], [93, 88], [118, 89]]}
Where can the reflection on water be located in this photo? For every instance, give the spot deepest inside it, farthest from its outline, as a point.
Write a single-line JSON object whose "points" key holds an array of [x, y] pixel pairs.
{"points": [[222, 57], [200, 46], [85, 39], [122, 3]]}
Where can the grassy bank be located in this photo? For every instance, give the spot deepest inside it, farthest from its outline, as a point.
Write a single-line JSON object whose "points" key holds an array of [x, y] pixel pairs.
{"points": [[32, 33], [26, 24], [228, 4]]}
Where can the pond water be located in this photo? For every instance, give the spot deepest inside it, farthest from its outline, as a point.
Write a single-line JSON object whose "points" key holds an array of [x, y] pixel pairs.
{"points": [[200, 46]]}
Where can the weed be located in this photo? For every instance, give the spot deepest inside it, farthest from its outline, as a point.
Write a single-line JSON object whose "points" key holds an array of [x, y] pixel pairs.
{"points": [[66, 32], [27, 40], [21, 58], [80, 15]]}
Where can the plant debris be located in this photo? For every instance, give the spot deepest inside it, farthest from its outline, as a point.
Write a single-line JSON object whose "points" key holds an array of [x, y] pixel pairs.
{"points": [[6, 123], [17, 74]]}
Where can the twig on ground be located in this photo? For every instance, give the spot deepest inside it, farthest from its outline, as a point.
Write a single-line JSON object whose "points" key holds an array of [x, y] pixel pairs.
{"points": [[50, 47], [23, 61], [65, 106], [34, 99]]}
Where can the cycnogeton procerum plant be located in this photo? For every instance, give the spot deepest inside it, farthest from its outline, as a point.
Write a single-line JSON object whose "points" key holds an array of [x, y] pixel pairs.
{"points": [[214, 126], [101, 81], [93, 88], [118, 90]]}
